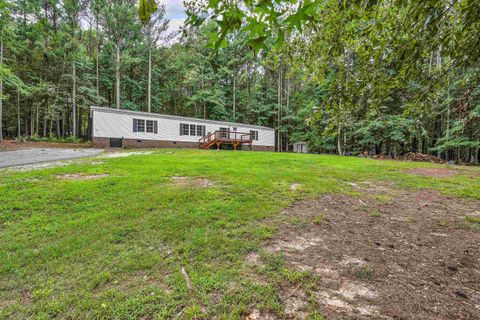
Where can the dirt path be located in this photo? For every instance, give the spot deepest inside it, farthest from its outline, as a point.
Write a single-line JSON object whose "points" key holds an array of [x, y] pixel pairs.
{"points": [[39, 155], [388, 254], [12, 145]]}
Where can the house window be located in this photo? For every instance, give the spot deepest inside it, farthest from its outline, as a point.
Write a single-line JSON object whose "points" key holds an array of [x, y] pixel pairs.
{"points": [[254, 135], [193, 129], [140, 125], [184, 129], [224, 132], [201, 130], [150, 126]]}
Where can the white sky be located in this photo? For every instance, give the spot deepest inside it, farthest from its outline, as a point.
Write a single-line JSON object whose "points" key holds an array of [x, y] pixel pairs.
{"points": [[175, 13]]}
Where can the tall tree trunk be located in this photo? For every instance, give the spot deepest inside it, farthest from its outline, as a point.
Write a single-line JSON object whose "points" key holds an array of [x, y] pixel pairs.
{"points": [[37, 119], [26, 126], [117, 76], [97, 63], [74, 98], [97, 100], [32, 118], [439, 128], [63, 124], [79, 123], [339, 140], [57, 125], [249, 90], [44, 134], [234, 96], [279, 117], [1, 88], [204, 104], [19, 133], [149, 94], [288, 110]]}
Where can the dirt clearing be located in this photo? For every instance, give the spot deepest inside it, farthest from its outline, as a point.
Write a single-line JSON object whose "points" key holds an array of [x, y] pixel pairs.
{"points": [[124, 154], [39, 156], [12, 145], [79, 176], [433, 172], [198, 182], [388, 254]]}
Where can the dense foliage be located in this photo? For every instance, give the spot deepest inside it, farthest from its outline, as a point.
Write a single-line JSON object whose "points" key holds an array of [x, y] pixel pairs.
{"points": [[348, 77], [393, 76]]}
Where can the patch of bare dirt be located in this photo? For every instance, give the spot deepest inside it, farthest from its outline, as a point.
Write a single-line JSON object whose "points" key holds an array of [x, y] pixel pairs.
{"points": [[253, 259], [433, 172], [198, 182], [79, 176], [295, 186], [257, 315], [39, 166], [47, 165], [124, 154], [12, 145], [408, 256]]}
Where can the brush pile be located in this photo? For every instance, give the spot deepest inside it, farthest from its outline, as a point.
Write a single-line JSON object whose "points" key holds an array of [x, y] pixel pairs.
{"points": [[420, 157]]}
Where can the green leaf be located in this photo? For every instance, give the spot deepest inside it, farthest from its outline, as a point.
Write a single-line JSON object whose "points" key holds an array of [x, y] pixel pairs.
{"points": [[145, 9]]}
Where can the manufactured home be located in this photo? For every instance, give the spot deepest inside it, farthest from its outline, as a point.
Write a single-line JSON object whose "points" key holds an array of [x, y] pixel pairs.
{"points": [[113, 128]]}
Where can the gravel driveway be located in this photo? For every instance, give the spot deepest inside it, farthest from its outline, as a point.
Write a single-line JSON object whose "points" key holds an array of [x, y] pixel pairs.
{"points": [[37, 155]]}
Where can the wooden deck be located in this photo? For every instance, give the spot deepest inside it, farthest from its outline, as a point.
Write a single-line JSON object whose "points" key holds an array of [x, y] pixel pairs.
{"points": [[221, 137]]}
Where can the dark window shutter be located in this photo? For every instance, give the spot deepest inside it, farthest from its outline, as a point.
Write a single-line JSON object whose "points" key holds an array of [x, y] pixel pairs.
{"points": [[135, 125], [155, 126], [181, 127]]}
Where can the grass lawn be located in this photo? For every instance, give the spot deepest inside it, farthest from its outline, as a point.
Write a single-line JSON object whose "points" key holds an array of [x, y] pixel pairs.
{"points": [[115, 247]]}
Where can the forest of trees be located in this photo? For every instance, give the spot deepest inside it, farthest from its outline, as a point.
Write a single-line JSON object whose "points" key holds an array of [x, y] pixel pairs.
{"points": [[348, 77]]}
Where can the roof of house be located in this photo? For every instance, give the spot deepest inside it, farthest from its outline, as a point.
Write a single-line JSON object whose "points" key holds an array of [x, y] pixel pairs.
{"points": [[165, 116]]}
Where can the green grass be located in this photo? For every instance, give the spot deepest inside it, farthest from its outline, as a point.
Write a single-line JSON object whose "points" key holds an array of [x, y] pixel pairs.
{"points": [[365, 273], [113, 248], [375, 213], [318, 219], [475, 220], [472, 222]]}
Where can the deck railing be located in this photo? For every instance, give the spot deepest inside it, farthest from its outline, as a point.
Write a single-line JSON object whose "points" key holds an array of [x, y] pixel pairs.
{"points": [[226, 136]]}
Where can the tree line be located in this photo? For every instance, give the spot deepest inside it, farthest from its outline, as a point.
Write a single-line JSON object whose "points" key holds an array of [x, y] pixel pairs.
{"points": [[389, 76], [347, 77]]}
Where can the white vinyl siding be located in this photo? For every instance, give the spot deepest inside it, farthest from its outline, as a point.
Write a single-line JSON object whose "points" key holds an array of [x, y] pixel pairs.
{"points": [[109, 123]]}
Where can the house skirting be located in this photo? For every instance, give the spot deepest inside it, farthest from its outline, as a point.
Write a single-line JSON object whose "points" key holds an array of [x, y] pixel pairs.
{"points": [[142, 143]]}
